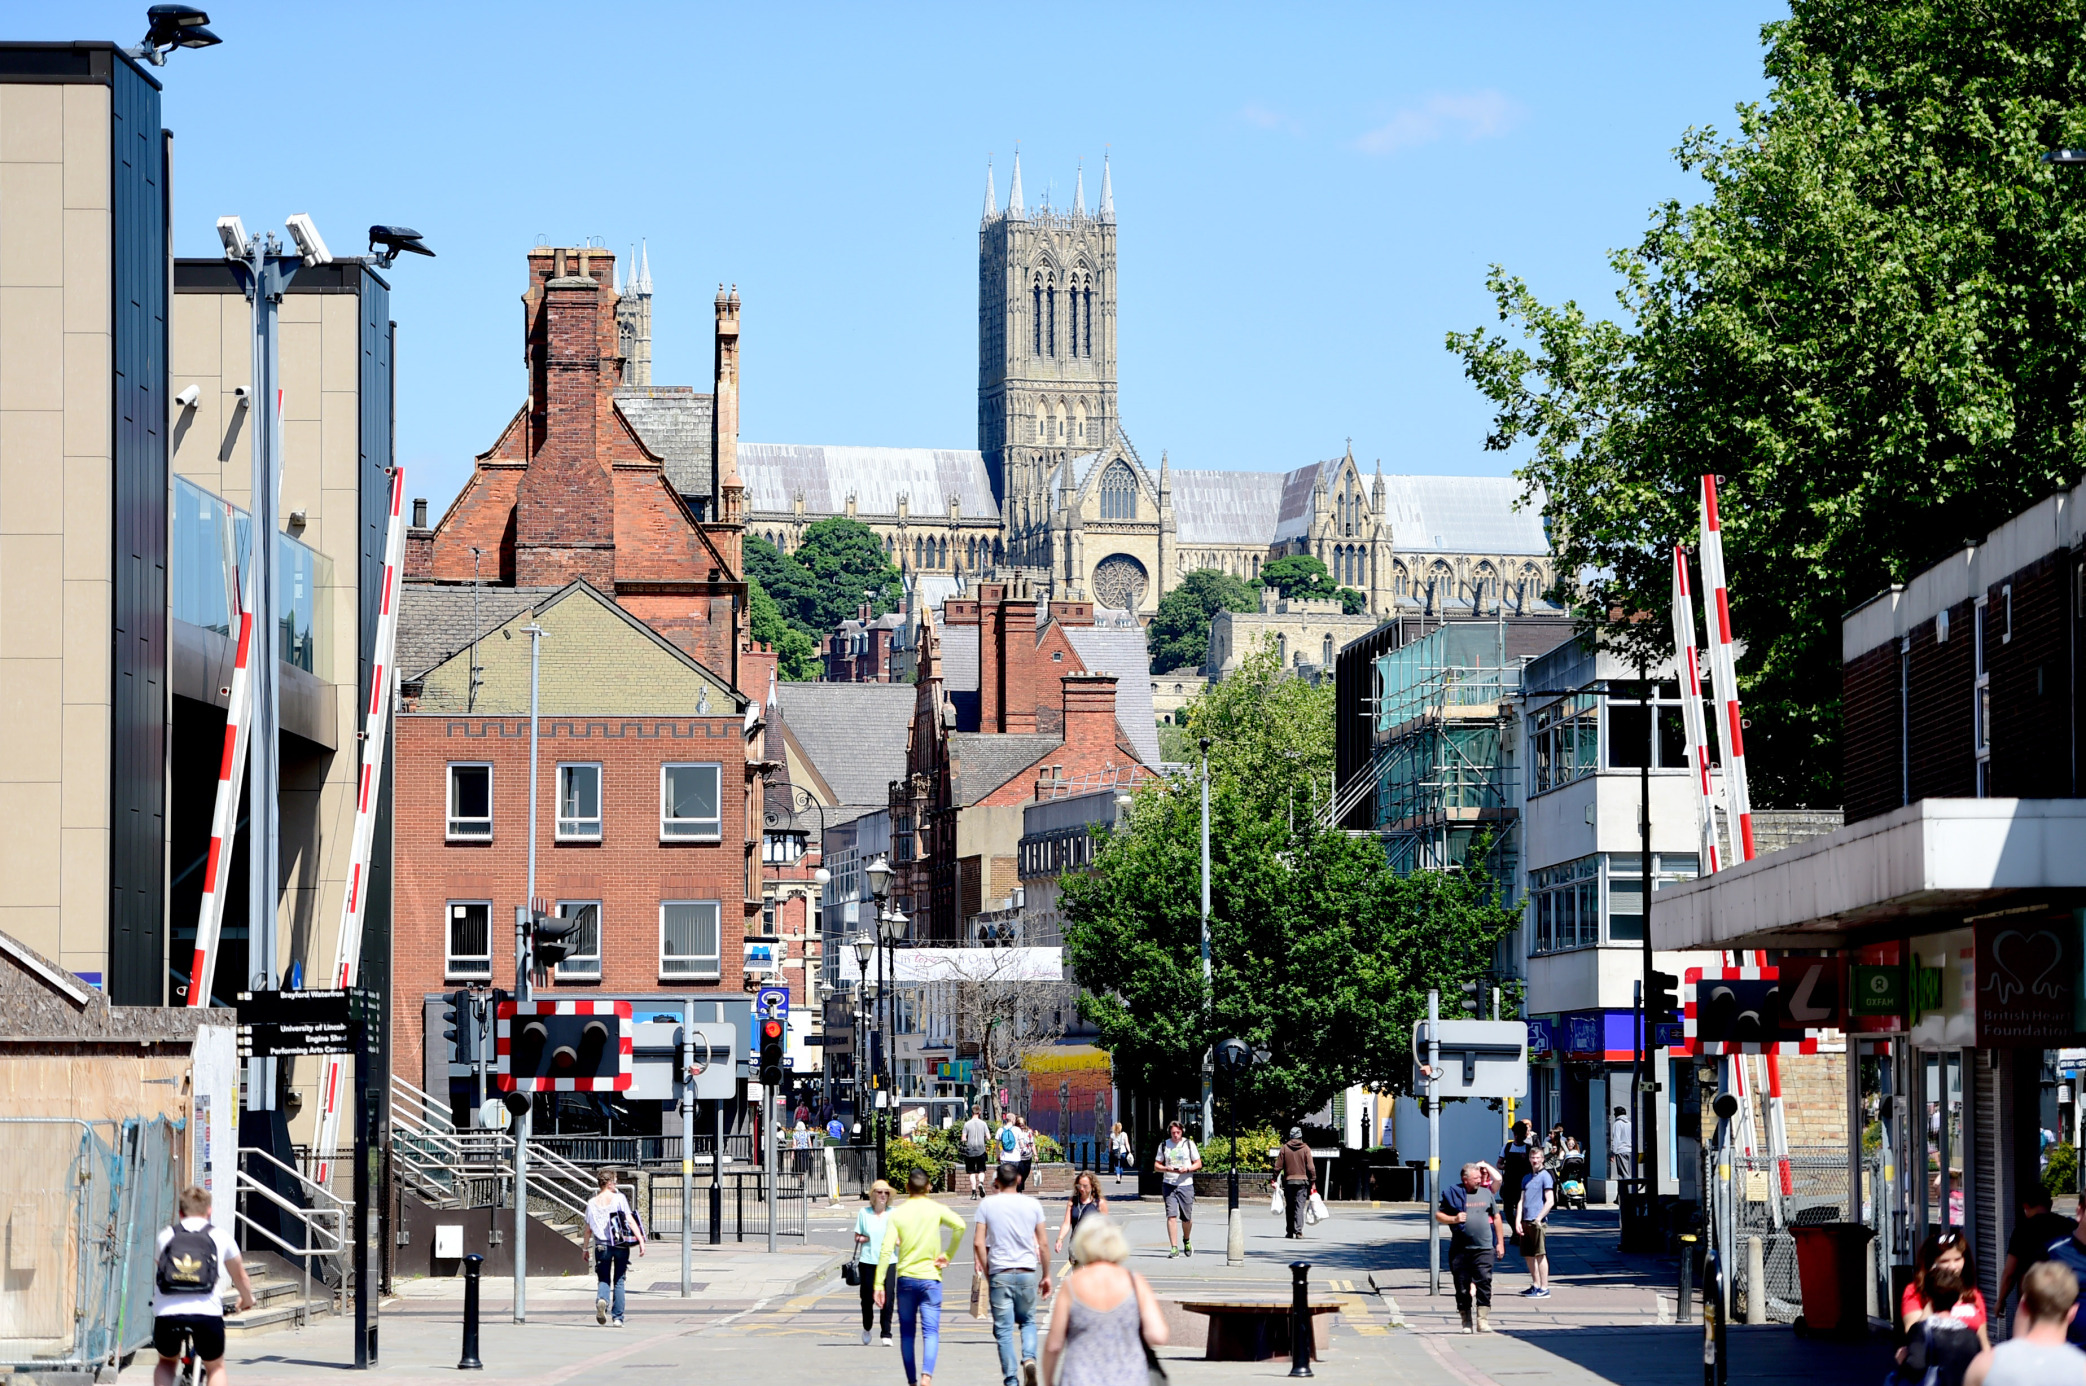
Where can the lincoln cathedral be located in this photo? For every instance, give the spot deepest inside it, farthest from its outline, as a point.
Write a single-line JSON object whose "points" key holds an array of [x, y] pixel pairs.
{"points": [[1057, 494]]}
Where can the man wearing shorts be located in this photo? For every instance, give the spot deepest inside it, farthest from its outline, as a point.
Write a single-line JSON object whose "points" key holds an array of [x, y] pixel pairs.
{"points": [[184, 1291], [1177, 1161], [1531, 1212], [976, 1137]]}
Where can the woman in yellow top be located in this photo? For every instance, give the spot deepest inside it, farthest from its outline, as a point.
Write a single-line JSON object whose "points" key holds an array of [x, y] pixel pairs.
{"points": [[914, 1255]]}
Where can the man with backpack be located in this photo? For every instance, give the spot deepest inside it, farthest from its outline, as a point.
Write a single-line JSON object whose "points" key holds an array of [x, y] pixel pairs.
{"points": [[185, 1303], [976, 1136]]}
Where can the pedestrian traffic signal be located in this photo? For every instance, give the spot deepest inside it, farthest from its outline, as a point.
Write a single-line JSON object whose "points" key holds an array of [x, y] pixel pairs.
{"points": [[1470, 997], [458, 1029], [564, 1046], [771, 1071], [1665, 995], [551, 940]]}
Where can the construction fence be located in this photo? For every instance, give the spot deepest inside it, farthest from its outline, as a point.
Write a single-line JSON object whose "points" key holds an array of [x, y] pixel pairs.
{"points": [[1766, 1208], [85, 1201]]}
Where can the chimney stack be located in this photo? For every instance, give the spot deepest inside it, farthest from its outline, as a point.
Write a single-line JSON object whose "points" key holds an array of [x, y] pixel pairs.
{"points": [[565, 512], [1089, 713]]}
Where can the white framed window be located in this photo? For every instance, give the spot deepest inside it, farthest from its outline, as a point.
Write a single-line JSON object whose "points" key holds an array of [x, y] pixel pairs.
{"points": [[688, 939], [1981, 698], [579, 802], [584, 961], [470, 800], [468, 940], [689, 801]]}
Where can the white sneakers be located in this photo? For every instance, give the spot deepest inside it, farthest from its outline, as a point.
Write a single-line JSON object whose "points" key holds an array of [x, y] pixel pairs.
{"points": [[601, 1311]]}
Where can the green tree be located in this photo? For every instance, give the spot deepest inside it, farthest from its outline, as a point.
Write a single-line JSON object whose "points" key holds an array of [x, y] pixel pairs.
{"points": [[1871, 327], [1319, 953], [797, 653], [1301, 576], [1179, 634]]}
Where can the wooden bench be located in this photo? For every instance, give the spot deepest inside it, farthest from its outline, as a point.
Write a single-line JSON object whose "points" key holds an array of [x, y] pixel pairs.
{"points": [[1256, 1330]]}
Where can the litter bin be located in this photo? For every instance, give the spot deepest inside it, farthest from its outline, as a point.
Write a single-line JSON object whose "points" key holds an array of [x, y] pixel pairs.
{"points": [[1831, 1259], [1640, 1219]]}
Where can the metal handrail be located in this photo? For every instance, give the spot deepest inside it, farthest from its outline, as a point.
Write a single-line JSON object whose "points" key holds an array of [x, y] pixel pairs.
{"points": [[437, 1155], [312, 1219], [309, 1185]]}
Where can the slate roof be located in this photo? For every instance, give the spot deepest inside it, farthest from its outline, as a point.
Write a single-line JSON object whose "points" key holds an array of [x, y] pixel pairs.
{"points": [[1464, 514], [1120, 650], [980, 762], [959, 651], [774, 473], [1225, 507], [855, 733], [435, 619], [674, 422]]}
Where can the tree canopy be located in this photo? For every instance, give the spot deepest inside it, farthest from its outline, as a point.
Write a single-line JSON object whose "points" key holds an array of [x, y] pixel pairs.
{"points": [[1301, 576], [1319, 953], [1179, 634], [814, 589], [1871, 327]]}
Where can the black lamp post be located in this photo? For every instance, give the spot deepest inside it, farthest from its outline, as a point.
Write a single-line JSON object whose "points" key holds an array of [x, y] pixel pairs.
{"points": [[864, 944], [1234, 1057]]}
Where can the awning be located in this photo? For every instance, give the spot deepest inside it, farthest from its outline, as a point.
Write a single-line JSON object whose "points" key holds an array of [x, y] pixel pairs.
{"points": [[1915, 869]]}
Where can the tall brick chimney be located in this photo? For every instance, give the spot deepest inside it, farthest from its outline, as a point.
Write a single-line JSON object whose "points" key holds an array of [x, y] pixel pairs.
{"points": [[565, 512], [1089, 717], [727, 494]]}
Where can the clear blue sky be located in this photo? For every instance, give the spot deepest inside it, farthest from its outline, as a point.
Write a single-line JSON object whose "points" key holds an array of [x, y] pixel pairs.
{"points": [[1306, 201]]}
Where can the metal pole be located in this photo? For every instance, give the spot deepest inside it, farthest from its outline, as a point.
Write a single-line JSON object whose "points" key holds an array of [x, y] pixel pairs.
{"points": [[1301, 1336], [1208, 1110], [688, 1143], [717, 1181], [769, 1120], [474, 1265], [525, 923], [1433, 1140], [1234, 1220], [1647, 1128], [364, 1211], [266, 280]]}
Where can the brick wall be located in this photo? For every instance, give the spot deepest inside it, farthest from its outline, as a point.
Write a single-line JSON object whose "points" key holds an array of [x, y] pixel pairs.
{"points": [[2030, 675], [1944, 764], [1871, 734]]}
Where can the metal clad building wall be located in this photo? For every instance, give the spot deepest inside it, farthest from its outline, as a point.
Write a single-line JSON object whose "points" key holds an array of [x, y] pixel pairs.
{"points": [[138, 494], [377, 368]]}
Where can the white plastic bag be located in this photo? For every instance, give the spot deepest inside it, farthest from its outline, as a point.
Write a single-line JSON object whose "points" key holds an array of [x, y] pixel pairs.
{"points": [[1316, 1213], [1275, 1203]]}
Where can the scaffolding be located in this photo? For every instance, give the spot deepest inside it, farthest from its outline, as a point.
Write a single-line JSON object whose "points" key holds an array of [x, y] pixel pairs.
{"points": [[1443, 750]]}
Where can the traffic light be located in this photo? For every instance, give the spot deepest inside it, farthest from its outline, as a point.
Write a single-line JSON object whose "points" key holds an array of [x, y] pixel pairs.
{"points": [[1665, 996], [564, 1046], [1470, 998], [459, 1029], [771, 1053], [1742, 1011], [551, 940]]}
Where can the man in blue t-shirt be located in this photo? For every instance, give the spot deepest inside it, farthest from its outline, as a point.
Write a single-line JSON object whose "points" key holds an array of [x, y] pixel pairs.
{"points": [[1531, 1212], [2070, 1252]]}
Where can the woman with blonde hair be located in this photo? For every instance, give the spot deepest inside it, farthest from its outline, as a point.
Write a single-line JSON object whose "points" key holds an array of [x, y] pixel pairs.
{"points": [[1109, 1319], [869, 1247]]}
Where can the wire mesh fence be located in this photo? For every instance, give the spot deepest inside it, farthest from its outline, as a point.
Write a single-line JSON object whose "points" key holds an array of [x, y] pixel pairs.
{"points": [[1770, 1196]]}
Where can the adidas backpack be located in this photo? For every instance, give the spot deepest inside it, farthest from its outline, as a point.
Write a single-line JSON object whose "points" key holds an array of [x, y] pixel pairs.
{"points": [[188, 1262]]}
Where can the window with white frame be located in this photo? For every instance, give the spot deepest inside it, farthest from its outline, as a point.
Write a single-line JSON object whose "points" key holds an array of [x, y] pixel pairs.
{"points": [[1630, 725], [584, 961], [688, 939], [1981, 699], [690, 801], [468, 946], [1626, 888], [1566, 902], [579, 802], [781, 848], [470, 800], [1564, 742]]}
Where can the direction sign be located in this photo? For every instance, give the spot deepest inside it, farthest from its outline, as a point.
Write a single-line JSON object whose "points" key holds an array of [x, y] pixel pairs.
{"points": [[283, 1024], [1814, 989], [1479, 1058]]}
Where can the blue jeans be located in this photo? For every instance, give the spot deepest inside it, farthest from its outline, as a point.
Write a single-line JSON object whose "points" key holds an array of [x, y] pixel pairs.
{"points": [[611, 1264], [1014, 1302], [919, 1300]]}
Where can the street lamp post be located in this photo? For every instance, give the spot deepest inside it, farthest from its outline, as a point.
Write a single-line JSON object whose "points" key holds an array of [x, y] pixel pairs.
{"points": [[1234, 1057], [1208, 1102], [890, 925], [864, 944]]}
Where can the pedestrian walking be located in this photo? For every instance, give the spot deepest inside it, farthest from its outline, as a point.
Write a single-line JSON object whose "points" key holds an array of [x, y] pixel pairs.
{"points": [[1007, 1139], [870, 1223], [2037, 1354], [1620, 1163], [1025, 1152], [977, 1137], [613, 1227], [186, 1308], [2033, 1236], [1087, 1200], [836, 1130], [1477, 1239], [1119, 1150], [1177, 1161], [1107, 1317], [1947, 1251], [1010, 1249], [1532, 1208], [1299, 1180], [800, 1148], [910, 1270], [1514, 1164]]}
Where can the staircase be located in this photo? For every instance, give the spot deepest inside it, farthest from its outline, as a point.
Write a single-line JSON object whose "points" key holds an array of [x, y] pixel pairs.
{"points": [[295, 1269], [279, 1300], [450, 1168]]}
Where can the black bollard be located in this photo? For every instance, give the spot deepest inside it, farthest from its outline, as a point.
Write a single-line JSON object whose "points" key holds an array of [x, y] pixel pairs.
{"points": [[1683, 1308], [1300, 1338], [473, 1265]]}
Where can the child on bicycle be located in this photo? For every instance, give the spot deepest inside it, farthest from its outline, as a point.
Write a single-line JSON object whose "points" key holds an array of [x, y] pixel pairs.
{"points": [[185, 1305]]}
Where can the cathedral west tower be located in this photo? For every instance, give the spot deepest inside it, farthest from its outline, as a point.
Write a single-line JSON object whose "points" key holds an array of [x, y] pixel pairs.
{"points": [[1046, 345]]}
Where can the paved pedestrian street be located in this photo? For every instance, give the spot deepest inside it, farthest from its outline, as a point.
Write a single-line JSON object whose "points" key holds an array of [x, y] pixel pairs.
{"points": [[790, 1319]]}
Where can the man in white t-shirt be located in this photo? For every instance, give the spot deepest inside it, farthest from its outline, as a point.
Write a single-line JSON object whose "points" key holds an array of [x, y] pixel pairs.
{"points": [[1010, 1248], [1177, 1161], [193, 1256]]}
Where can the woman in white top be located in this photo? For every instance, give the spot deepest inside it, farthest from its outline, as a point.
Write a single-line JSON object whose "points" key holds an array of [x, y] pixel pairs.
{"points": [[1119, 1150], [869, 1249], [613, 1226]]}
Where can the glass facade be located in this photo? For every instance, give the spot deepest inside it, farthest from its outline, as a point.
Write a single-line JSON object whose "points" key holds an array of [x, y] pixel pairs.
{"points": [[1567, 901], [207, 568]]}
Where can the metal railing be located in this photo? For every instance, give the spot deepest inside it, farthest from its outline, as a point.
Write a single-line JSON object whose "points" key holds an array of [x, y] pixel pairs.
{"points": [[633, 1152], [1760, 1207], [745, 1206], [319, 1227], [452, 1168]]}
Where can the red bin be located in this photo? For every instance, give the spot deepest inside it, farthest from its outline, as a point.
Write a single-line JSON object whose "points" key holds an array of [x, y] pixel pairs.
{"points": [[1831, 1259]]}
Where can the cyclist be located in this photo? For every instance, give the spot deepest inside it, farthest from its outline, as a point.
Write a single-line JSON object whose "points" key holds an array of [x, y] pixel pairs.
{"points": [[193, 1255]]}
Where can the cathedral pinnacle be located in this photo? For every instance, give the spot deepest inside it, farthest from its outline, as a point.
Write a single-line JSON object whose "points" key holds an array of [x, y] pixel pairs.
{"points": [[1079, 191], [1107, 192], [643, 282], [991, 199], [1014, 207]]}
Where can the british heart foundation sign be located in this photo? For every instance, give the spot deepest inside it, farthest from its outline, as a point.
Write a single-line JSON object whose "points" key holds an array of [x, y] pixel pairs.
{"points": [[2027, 975]]}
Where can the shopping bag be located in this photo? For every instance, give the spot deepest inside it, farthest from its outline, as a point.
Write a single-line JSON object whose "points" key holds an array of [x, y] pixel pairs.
{"points": [[1275, 1204], [979, 1309], [1317, 1213]]}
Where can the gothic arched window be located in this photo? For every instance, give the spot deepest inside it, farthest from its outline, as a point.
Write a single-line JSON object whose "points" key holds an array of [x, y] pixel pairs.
{"points": [[1118, 493], [1087, 297], [1050, 316], [916, 553], [1036, 314], [1079, 422], [1401, 583], [1327, 660]]}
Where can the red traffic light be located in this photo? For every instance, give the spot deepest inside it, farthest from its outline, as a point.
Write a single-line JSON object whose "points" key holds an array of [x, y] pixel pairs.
{"points": [[771, 1029]]}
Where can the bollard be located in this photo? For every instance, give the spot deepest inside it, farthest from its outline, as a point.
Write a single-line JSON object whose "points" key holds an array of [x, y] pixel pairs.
{"points": [[738, 1210], [1683, 1308], [1756, 1281], [1300, 1338], [474, 1264]]}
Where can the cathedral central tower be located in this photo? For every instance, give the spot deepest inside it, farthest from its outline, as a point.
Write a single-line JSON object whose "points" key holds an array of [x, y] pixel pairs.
{"points": [[1046, 341]]}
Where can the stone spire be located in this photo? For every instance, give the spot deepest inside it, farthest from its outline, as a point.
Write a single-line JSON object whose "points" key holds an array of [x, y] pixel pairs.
{"points": [[991, 199], [1376, 490], [644, 269], [1107, 192], [1079, 191], [1014, 207], [634, 319]]}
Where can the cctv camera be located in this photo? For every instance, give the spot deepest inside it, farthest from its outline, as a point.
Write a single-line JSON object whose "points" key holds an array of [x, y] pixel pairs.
{"points": [[187, 398], [310, 243], [232, 232], [239, 393]]}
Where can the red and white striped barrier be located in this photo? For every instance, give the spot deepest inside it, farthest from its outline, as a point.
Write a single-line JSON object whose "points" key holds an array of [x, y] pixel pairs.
{"points": [[1691, 981], [503, 1029], [376, 723], [231, 775], [1687, 656], [1723, 675]]}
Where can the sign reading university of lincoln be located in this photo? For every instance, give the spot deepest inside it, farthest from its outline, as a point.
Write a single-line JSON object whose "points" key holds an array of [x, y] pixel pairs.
{"points": [[2027, 979]]}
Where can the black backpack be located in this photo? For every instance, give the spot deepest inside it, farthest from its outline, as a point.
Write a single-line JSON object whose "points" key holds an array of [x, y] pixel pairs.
{"points": [[188, 1262]]}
